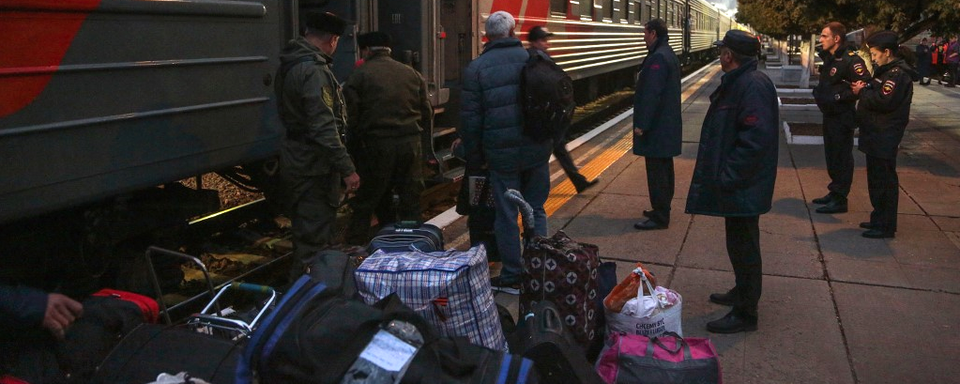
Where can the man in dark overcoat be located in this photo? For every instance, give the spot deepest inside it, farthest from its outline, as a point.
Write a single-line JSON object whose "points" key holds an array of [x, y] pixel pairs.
{"points": [[657, 125], [736, 170]]}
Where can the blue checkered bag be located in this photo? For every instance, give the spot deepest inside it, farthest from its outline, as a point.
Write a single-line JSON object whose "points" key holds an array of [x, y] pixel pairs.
{"points": [[450, 289]]}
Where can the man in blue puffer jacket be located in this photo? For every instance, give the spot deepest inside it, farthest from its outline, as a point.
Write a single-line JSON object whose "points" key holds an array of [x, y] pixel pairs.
{"points": [[492, 133]]}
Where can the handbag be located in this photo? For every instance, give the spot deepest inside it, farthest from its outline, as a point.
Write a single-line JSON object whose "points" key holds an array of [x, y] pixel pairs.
{"points": [[659, 360]]}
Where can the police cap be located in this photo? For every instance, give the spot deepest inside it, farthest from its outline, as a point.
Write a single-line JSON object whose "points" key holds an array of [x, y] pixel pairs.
{"points": [[884, 40], [537, 33], [325, 22], [373, 39], [740, 42]]}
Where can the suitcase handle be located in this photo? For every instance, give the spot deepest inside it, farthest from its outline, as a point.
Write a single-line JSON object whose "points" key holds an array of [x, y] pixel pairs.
{"points": [[526, 211], [156, 281]]}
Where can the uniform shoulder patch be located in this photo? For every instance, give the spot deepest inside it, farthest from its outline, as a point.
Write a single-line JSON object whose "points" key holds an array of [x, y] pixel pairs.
{"points": [[858, 69], [328, 96], [888, 87], [833, 71]]}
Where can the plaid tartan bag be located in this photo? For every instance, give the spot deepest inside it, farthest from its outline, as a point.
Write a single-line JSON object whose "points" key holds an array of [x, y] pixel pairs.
{"points": [[450, 289]]}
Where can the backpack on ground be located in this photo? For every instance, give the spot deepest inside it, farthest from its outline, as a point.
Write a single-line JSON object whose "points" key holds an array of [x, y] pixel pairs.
{"points": [[557, 357], [546, 97]]}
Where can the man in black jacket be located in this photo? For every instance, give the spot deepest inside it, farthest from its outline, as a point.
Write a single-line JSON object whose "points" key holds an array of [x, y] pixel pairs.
{"points": [[841, 67], [657, 126], [736, 171], [539, 39]]}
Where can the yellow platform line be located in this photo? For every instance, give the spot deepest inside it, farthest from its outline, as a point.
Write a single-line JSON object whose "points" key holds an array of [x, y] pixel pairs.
{"points": [[565, 191]]}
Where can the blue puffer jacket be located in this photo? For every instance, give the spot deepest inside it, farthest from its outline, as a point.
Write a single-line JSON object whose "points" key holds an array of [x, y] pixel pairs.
{"points": [[490, 113]]}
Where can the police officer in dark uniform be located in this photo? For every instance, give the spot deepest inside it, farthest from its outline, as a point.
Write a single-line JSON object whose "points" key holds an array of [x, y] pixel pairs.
{"points": [[883, 114], [841, 67], [313, 157], [389, 109], [736, 171]]}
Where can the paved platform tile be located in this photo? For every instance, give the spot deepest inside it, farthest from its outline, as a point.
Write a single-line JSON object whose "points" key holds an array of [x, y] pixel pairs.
{"points": [[900, 336], [798, 340]]}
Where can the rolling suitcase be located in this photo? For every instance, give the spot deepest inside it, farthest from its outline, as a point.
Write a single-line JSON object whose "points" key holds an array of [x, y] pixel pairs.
{"points": [[562, 271], [406, 236], [206, 347]]}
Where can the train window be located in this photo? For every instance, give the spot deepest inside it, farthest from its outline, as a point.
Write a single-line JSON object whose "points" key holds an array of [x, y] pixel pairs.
{"points": [[635, 12], [608, 9], [558, 7], [669, 14], [647, 14]]}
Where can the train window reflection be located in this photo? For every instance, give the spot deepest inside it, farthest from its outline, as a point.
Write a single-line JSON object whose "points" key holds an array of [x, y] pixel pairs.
{"points": [[559, 7]]}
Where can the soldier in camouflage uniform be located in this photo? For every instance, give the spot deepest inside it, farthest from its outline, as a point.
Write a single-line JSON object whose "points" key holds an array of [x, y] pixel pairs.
{"points": [[390, 113], [313, 157]]}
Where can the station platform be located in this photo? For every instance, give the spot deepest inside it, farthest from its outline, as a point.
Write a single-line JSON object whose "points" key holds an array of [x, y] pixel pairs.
{"points": [[836, 307]]}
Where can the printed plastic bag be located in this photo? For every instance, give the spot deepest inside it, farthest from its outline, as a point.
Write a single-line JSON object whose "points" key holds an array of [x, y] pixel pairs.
{"points": [[649, 316]]}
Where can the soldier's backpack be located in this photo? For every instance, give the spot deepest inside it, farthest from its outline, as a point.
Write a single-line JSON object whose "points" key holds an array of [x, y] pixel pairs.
{"points": [[546, 95]]}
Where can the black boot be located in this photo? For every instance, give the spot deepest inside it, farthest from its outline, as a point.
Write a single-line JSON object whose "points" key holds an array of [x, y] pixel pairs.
{"points": [[823, 200], [584, 185], [728, 299], [735, 321], [837, 205]]}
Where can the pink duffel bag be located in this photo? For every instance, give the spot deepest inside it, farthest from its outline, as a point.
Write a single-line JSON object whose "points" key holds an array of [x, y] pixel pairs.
{"points": [[659, 360]]}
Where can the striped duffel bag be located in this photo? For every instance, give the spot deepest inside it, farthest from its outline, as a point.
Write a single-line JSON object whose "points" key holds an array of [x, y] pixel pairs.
{"points": [[451, 289]]}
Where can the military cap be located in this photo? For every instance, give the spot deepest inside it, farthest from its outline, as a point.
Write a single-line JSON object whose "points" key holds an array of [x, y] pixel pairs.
{"points": [[373, 39], [884, 40], [325, 22], [740, 42], [537, 33]]}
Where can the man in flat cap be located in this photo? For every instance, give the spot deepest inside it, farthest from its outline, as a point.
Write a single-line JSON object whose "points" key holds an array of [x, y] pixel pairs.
{"points": [[389, 114], [539, 39], [736, 170], [313, 158]]}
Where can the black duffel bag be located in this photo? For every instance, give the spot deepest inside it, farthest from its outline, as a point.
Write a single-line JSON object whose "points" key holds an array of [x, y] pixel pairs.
{"points": [[316, 335]]}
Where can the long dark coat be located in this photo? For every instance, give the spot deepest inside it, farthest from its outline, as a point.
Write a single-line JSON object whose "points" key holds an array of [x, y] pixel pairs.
{"points": [[656, 104], [737, 160]]}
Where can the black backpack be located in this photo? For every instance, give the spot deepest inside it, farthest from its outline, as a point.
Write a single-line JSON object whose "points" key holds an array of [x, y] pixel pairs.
{"points": [[546, 95]]}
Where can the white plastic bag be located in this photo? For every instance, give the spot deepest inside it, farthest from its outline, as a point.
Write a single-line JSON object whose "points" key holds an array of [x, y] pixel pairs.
{"points": [[649, 316]]}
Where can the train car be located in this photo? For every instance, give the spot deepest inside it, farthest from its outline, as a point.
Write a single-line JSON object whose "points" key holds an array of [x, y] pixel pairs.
{"points": [[103, 97]]}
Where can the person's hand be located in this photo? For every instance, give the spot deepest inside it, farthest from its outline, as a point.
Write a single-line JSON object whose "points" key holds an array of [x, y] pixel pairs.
{"points": [[61, 312], [856, 86], [456, 143], [637, 131], [352, 182]]}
